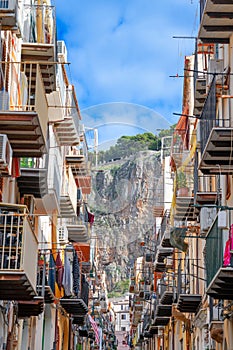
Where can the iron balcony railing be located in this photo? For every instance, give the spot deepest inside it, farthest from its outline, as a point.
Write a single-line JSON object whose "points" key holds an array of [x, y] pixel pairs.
{"points": [[163, 226], [213, 251], [209, 118], [208, 115], [18, 243], [205, 183]]}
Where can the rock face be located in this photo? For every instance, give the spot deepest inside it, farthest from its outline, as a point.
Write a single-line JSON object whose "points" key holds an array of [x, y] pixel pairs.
{"points": [[125, 193]]}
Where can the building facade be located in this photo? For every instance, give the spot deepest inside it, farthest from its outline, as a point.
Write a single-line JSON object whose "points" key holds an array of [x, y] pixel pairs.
{"points": [[189, 305], [48, 269]]}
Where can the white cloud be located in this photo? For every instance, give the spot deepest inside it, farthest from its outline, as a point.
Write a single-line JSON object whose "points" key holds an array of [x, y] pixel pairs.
{"points": [[123, 50]]}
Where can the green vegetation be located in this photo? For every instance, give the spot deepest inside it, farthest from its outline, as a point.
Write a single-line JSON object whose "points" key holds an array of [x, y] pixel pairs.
{"points": [[129, 145], [119, 289], [181, 179]]}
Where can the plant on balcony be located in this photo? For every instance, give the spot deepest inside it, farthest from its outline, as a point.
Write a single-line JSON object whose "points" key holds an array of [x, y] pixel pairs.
{"points": [[181, 180], [181, 183]]}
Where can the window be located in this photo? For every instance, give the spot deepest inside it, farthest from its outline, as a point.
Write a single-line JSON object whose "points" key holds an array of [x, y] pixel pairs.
{"points": [[122, 307], [123, 316], [123, 329]]}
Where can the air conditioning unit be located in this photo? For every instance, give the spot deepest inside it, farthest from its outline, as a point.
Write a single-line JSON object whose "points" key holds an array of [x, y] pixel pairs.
{"points": [[61, 51], [207, 216], [5, 156], [62, 234]]}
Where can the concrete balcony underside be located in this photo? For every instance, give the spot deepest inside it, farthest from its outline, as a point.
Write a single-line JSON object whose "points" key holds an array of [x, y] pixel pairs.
{"points": [[30, 308], [78, 233], [160, 321], [49, 297], [24, 132], [199, 96], [44, 54], [188, 302], [66, 132], [163, 310], [33, 181], [184, 209], [221, 286], [74, 306], [167, 297], [217, 155], [15, 286], [216, 22], [204, 197], [66, 207]]}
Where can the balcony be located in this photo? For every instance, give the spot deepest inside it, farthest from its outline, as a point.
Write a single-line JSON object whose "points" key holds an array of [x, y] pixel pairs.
{"points": [[77, 163], [9, 15], [216, 21], [64, 113], [39, 41], [77, 231], [162, 254], [18, 264], [164, 233], [46, 277], [68, 198], [184, 209], [30, 308], [205, 189], [23, 111], [217, 322], [163, 310], [178, 150], [184, 205], [199, 96], [215, 137], [160, 321], [33, 178], [167, 292], [187, 298], [188, 302], [219, 277], [74, 306]]}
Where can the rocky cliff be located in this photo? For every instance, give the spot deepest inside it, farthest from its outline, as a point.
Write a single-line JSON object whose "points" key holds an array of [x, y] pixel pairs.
{"points": [[125, 193]]}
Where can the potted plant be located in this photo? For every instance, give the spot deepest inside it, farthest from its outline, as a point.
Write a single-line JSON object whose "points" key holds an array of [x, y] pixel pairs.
{"points": [[181, 182]]}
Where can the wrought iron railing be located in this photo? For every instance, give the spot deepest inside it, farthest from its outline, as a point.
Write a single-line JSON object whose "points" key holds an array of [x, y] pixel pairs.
{"points": [[18, 244], [163, 227], [213, 251], [165, 285], [208, 115], [209, 118]]}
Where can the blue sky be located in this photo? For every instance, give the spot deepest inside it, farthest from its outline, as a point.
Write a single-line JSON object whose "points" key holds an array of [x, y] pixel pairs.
{"points": [[124, 50]]}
